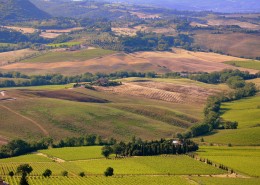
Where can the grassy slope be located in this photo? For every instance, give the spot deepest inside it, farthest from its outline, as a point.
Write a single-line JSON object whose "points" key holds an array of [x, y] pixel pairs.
{"points": [[247, 113], [242, 159], [67, 118], [70, 56], [79, 153], [251, 64]]}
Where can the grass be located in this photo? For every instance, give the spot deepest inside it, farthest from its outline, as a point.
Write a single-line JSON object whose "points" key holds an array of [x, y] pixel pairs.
{"points": [[81, 55], [245, 160], [25, 159], [6, 44], [250, 64], [76, 153], [64, 44], [146, 118], [226, 181], [142, 180], [175, 165], [247, 113]]}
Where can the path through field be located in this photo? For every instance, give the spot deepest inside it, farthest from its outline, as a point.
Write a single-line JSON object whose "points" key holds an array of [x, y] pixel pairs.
{"points": [[45, 132]]}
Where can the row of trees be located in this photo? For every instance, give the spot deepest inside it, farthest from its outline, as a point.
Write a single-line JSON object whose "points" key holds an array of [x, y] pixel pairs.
{"points": [[223, 76], [212, 119], [149, 148], [57, 79], [21, 147]]}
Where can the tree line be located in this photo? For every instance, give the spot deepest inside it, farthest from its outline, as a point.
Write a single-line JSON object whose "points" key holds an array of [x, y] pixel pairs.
{"points": [[16, 79], [212, 119], [149, 148], [20, 147]]}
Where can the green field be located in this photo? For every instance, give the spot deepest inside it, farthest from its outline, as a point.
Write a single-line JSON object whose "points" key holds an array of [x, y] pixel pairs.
{"points": [[245, 160], [26, 159], [226, 181], [82, 153], [250, 64], [7, 44], [64, 44], [247, 113], [122, 117], [140, 180], [159, 165], [69, 56]]}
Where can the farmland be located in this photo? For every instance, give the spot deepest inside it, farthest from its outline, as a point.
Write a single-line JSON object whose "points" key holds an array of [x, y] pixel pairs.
{"points": [[235, 44], [83, 153], [95, 60], [61, 56], [246, 112], [62, 111], [251, 64], [172, 169], [248, 157]]}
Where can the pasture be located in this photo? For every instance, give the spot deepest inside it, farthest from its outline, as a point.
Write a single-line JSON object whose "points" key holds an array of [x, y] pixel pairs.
{"points": [[245, 160], [250, 64], [235, 44], [61, 56], [61, 111], [64, 44], [79, 153], [95, 60]]}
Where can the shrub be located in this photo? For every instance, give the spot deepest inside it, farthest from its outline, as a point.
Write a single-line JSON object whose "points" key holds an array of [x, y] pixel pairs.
{"points": [[109, 172], [64, 173], [47, 173]]}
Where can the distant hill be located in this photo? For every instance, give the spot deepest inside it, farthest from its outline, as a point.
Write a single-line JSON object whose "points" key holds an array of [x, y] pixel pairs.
{"points": [[18, 10], [227, 6]]}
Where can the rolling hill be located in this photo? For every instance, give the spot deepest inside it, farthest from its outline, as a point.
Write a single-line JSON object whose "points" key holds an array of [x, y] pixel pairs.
{"points": [[18, 10]]}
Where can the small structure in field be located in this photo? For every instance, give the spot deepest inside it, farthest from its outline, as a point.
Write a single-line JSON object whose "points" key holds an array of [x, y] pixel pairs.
{"points": [[176, 142]]}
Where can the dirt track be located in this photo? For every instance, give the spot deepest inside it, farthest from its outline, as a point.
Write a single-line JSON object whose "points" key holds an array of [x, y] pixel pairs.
{"points": [[45, 132]]}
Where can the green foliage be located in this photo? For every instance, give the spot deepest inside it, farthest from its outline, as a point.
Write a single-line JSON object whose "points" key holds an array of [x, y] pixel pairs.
{"points": [[106, 151], [235, 82], [11, 173], [82, 174], [65, 173], [47, 173], [109, 172]]}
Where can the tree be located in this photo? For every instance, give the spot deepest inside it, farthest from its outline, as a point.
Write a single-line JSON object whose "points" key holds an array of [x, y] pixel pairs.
{"points": [[235, 82], [106, 151], [24, 169], [82, 174], [109, 172], [64, 173], [11, 173], [47, 173]]}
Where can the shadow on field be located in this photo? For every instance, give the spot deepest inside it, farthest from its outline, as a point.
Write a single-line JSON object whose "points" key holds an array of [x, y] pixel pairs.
{"points": [[68, 95]]}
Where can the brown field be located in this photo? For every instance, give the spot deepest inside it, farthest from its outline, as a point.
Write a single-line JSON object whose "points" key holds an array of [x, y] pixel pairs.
{"points": [[235, 44], [49, 35], [219, 22], [169, 92], [145, 16], [21, 29], [11, 56], [160, 62]]}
